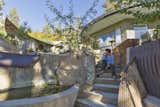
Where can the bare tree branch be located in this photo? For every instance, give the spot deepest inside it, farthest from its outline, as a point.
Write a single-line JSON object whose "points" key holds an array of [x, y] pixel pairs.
{"points": [[71, 24]]}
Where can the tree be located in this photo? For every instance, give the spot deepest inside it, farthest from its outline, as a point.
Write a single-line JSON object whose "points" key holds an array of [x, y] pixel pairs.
{"points": [[23, 30], [70, 25], [1, 18], [2, 28], [110, 6], [13, 16], [145, 10], [47, 29], [1, 6]]}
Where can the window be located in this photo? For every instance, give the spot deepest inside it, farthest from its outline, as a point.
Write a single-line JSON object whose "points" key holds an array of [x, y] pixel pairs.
{"points": [[139, 31]]}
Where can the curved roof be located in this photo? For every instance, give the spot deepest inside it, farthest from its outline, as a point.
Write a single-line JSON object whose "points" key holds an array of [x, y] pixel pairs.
{"points": [[54, 43], [109, 19], [104, 21]]}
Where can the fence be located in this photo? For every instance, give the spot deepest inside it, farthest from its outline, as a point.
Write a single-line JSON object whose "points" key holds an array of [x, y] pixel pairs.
{"points": [[131, 90], [148, 63]]}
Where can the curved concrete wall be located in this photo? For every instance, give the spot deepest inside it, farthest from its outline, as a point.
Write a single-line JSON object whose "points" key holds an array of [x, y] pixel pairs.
{"points": [[71, 71], [62, 99]]}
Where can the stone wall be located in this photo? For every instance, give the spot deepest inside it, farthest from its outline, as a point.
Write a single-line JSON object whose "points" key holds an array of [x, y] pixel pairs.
{"points": [[72, 69]]}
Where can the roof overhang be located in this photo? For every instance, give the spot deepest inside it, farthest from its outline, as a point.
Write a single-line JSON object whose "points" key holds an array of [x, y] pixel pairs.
{"points": [[103, 22], [109, 19]]}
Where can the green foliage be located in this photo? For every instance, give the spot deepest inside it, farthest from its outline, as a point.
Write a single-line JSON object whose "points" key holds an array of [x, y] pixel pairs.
{"points": [[146, 37], [13, 16], [46, 37], [111, 5], [1, 6], [2, 28], [2, 35], [156, 34], [47, 29], [144, 10], [23, 30], [1, 19], [69, 25], [96, 45]]}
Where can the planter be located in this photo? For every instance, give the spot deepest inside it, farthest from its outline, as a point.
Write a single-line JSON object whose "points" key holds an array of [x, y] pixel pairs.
{"points": [[62, 99]]}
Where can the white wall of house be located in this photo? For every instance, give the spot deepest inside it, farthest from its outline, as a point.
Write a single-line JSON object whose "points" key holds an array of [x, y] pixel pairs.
{"points": [[139, 31], [118, 36], [136, 32], [130, 34]]}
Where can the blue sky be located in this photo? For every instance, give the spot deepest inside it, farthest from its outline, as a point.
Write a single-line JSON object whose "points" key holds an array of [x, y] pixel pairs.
{"points": [[33, 11]]}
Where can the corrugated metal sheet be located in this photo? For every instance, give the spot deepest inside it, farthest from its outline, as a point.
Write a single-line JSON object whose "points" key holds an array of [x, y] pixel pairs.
{"points": [[148, 62]]}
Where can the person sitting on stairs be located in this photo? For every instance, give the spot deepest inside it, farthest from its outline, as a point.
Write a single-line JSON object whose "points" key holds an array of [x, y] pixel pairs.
{"points": [[108, 60]]}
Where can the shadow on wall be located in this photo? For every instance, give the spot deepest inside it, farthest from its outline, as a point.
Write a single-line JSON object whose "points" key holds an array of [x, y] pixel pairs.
{"points": [[72, 70], [14, 74]]}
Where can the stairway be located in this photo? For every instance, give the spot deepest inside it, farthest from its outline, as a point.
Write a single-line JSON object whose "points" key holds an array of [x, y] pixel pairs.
{"points": [[103, 94]]}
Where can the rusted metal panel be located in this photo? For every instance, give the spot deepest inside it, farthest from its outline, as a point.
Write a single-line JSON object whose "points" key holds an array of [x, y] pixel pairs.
{"points": [[121, 50], [148, 60]]}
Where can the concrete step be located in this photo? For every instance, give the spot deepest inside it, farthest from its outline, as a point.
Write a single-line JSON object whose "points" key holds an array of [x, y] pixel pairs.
{"points": [[109, 71], [106, 88], [117, 69], [90, 103], [108, 75], [108, 81], [118, 66], [104, 97]]}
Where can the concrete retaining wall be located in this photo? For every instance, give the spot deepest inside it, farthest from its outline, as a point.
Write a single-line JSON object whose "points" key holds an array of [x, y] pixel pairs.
{"points": [[73, 69], [63, 99]]}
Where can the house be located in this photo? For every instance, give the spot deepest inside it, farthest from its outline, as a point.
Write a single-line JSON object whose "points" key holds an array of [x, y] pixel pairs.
{"points": [[31, 42], [5, 46], [115, 26]]}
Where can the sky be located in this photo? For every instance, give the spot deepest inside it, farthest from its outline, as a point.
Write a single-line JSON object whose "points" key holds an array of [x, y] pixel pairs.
{"points": [[33, 11]]}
